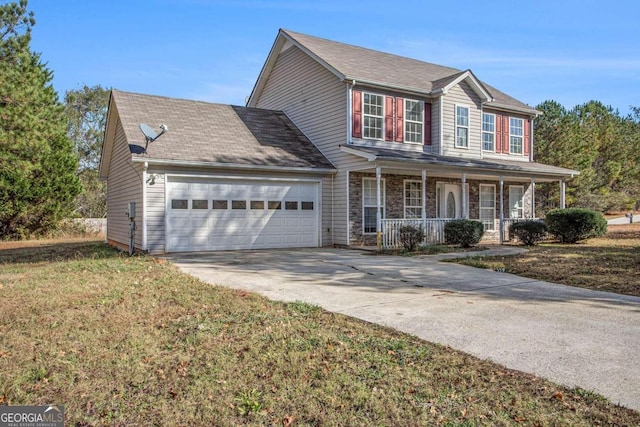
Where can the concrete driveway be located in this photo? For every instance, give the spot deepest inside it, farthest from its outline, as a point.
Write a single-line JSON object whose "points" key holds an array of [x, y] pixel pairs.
{"points": [[569, 335]]}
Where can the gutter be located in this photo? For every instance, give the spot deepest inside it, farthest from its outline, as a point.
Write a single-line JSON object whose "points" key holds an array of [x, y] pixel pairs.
{"points": [[215, 165]]}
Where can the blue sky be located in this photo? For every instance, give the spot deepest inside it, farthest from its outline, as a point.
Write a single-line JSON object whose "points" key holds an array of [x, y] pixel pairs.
{"points": [[568, 51]]}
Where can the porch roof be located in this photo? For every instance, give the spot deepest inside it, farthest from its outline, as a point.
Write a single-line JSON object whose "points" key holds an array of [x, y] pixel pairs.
{"points": [[487, 166]]}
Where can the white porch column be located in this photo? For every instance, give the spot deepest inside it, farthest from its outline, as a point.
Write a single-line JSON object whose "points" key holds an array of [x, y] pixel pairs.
{"points": [[424, 195], [562, 194], [463, 206], [533, 197], [379, 206], [501, 209]]}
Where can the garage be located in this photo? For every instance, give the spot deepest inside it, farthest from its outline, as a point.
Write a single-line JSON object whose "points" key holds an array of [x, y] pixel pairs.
{"points": [[207, 214]]}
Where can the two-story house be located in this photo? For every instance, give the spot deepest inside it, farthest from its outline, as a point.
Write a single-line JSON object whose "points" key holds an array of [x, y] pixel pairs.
{"points": [[339, 145], [409, 139]]}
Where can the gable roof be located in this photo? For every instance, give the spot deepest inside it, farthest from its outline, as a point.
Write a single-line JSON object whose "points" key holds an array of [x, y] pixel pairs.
{"points": [[375, 68], [206, 134]]}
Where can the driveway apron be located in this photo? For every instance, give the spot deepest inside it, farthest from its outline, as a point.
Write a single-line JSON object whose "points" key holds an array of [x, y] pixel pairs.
{"points": [[569, 335]]}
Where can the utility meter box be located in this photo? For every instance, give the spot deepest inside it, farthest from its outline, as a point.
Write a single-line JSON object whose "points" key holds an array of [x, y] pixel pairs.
{"points": [[131, 213]]}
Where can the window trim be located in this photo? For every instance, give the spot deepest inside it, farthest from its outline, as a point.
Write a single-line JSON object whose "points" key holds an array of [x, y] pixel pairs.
{"points": [[493, 133], [381, 117], [521, 202], [383, 202], [517, 136], [406, 120], [455, 142], [404, 193], [481, 208]]}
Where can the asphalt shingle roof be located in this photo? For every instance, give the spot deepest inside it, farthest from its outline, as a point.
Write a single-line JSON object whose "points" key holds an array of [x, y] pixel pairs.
{"points": [[217, 133], [369, 65]]}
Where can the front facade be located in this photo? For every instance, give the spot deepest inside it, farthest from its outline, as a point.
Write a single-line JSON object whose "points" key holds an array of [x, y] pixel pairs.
{"points": [[412, 142], [340, 145]]}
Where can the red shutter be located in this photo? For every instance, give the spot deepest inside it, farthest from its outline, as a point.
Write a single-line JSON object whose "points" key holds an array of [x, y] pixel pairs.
{"points": [[356, 130], [388, 118], [427, 123], [498, 133], [399, 119], [527, 140], [505, 134]]}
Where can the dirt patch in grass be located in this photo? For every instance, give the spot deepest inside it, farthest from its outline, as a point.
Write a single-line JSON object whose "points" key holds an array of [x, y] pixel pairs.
{"points": [[132, 341], [610, 263]]}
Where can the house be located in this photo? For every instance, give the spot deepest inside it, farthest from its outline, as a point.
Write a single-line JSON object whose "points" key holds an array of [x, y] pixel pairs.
{"points": [[338, 145]]}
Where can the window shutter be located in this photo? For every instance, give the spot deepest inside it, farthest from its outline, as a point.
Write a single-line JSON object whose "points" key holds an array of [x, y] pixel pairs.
{"points": [[356, 130], [427, 123], [498, 133], [505, 135], [399, 119], [527, 140], [388, 118]]}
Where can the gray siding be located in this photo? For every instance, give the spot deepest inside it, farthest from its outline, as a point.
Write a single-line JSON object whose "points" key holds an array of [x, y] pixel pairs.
{"points": [[463, 95], [155, 213], [124, 186], [435, 125], [316, 101]]}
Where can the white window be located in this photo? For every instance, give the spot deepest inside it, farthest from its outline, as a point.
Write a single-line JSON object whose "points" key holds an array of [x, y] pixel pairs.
{"points": [[373, 116], [413, 120], [516, 135], [488, 131], [462, 126], [370, 205], [412, 199], [488, 206], [516, 201]]}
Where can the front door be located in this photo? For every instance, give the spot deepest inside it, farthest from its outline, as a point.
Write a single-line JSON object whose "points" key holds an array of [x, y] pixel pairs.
{"points": [[451, 201]]}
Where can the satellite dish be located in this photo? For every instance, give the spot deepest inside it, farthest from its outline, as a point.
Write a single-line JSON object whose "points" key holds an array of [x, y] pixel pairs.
{"points": [[151, 135]]}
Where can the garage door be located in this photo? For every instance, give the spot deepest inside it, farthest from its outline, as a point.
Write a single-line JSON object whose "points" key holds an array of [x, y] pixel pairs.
{"points": [[204, 215]]}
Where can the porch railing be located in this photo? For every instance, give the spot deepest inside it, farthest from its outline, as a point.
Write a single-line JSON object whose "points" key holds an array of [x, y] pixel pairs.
{"points": [[507, 223], [433, 227]]}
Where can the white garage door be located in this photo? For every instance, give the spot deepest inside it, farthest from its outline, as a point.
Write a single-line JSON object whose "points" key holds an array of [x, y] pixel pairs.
{"points": [[204, 215]]}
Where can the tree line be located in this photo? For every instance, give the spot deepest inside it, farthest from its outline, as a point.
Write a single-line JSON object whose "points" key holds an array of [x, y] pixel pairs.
{"points": [[50, 149]]}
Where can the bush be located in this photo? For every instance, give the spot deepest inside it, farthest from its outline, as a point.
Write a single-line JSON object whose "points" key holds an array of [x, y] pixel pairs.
{"points": [[575, 224], [529, 232], [411, 236], [463, 232]]}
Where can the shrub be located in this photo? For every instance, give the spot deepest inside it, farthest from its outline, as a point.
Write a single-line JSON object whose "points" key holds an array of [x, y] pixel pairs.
{"points": [[463, 232], [411, 236], [575, 224], [529, 232]]}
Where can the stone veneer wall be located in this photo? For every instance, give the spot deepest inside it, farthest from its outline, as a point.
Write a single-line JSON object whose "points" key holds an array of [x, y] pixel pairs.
{"points": [[394, 201]]}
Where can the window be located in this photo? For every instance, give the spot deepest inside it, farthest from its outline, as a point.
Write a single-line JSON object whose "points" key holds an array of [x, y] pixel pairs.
{"points": [[274, 205], [413, 120], [179, 204], [488, 206], [488, 131], [199, 204], [516, 201], [412, 199], [257, 204], [373, 116], [291, 206], [220, 204], [238, 204], [370, 205], [462, 127], [306, 206], [515, 135]]}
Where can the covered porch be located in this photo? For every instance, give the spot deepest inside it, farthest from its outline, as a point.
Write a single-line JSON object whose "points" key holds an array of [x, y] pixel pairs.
{"points": [[401, 188]]}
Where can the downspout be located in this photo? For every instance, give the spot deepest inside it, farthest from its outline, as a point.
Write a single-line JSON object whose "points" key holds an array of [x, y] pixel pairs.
{"points": [[350, 86], [144, 206]]}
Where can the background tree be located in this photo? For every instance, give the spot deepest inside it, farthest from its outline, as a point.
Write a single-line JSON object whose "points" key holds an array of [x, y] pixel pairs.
{"points": [[37, 163], [86, 110]]}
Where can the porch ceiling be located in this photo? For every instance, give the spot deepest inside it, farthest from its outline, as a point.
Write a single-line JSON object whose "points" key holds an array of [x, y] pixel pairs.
{"points": [[413, 162]]}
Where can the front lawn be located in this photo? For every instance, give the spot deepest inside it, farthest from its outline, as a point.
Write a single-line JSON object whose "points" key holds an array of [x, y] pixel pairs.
{"points": [[610, 263], [132, 341]]}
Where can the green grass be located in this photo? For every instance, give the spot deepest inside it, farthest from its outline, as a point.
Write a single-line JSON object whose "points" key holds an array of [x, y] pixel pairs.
{"points": [[132, 341]]}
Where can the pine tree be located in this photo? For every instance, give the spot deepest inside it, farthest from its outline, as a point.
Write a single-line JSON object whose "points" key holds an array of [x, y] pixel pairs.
{"points": [[37, 162]]}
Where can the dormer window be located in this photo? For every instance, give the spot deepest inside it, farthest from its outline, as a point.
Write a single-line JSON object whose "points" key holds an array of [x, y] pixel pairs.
{"points": [[413, 121], [462, 126], [373, 116]]}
